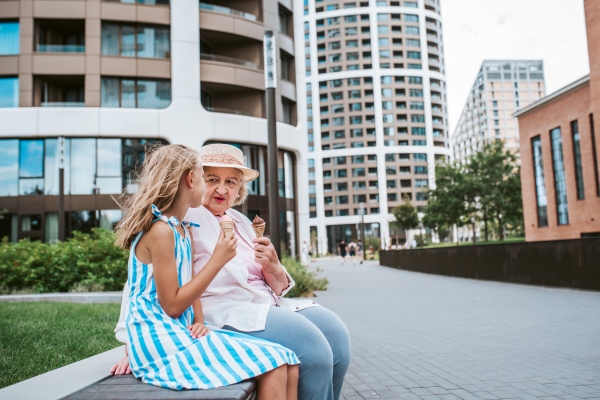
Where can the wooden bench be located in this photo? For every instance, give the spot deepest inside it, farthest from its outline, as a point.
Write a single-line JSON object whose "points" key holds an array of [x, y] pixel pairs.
{"points": [[126, 387]]}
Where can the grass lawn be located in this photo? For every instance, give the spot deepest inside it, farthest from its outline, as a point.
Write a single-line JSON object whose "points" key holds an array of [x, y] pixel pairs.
{"points": [[39, 337]]}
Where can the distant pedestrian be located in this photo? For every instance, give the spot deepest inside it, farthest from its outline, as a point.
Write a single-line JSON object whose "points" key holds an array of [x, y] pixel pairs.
{"points": [[343, 250], [360, 251], [371, 251], [305, 254], [413, 244], [352, 250]]}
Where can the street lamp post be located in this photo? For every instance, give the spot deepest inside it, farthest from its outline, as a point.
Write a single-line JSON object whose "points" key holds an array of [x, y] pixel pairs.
{"points": [[61, 189], [362, 212], [270, 86]]}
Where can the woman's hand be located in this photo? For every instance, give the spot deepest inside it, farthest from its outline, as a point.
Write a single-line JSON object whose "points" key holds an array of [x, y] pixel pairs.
{"points": [[198, 330], [122, 368], [225, 249], [265, 255]]}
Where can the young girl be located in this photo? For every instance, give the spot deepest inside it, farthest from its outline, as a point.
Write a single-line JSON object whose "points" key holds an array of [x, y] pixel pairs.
{"points": [[169, 344]]}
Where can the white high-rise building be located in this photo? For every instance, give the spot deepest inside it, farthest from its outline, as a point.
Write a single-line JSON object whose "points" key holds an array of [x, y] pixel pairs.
{"points": [[500, 89], [377, 113]]}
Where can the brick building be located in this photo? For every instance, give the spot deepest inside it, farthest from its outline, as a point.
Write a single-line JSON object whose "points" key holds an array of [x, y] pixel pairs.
{"points": [[559, 155]]}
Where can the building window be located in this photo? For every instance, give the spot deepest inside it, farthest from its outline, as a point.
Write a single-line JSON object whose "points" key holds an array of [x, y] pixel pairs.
{"points": [[135, 41], [422, 196], [9, 91], [135, 93], [9, 39], [540, 188], [286, 112], [283, 22], [560, 184], [593, 134], [420, 170], [577, 157], [31, 167]]}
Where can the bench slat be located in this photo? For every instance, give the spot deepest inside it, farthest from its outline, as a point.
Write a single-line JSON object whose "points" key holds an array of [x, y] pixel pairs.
{"points": [[126, 387]]}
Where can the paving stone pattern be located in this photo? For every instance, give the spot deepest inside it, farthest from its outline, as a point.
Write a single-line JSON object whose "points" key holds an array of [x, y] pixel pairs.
{"points": [[418, 336]]}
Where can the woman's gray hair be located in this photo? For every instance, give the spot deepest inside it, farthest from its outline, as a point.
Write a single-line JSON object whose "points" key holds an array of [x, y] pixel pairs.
{"points": [[242, 194]]}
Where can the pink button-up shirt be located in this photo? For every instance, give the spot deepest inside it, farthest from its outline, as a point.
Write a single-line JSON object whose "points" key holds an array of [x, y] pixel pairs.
{"points": [[255, 275]]}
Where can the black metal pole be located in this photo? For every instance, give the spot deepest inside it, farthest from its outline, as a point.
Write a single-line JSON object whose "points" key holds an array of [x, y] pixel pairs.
{"points": [[274, 216], [362, 233], [61, 189], [271, 85], [61, 204]]}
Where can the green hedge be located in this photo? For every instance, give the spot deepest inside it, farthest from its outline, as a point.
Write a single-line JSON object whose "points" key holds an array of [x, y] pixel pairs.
{"points": [[92, 262], [86, 262], [306, 281]]}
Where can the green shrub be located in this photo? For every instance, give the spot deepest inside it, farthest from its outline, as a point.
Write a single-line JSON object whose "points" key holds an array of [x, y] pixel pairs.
{"points": [[92, 263], [83, 263], [306, 281]]}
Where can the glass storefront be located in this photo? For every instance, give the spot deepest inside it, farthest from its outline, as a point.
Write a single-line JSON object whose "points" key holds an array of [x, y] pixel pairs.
{"points": [[95, 169]]}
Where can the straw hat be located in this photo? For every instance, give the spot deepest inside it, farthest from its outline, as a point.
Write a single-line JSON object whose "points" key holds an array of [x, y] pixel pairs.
{"points": [[226, 156]]}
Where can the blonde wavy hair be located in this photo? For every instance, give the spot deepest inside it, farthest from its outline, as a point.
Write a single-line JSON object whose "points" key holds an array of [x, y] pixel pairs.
{"points": [[158, 180]]}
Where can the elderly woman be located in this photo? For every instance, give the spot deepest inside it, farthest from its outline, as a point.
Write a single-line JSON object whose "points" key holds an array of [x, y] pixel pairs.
{"points": [[247, 295]]}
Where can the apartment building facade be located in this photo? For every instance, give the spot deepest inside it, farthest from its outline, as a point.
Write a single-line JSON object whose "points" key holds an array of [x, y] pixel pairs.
{"points": [[107, 78], [559, 153], [376, 111], [500, 89]]}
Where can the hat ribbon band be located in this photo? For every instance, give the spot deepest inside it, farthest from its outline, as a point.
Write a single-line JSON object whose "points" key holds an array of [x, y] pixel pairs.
{"points": [[221, 159]]}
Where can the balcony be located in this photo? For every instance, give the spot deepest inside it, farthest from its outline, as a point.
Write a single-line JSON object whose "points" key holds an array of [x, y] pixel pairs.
{"points": [[146, 2], [226, 10], [60, 35], [58, 91], [59, 48], [228, 111], [232, 99], [64, 104], [229, 60]]}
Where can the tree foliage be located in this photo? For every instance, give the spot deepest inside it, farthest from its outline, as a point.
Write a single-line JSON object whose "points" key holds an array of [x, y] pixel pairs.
{"points": [[406, 217], [487, 187]]}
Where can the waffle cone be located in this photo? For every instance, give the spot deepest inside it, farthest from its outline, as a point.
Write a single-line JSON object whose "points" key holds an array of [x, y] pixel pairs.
{"points": [[226, 226], [259, 230]]}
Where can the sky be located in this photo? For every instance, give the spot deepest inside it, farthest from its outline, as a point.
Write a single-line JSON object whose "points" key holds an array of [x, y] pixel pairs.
{"points": [[477, 30]]}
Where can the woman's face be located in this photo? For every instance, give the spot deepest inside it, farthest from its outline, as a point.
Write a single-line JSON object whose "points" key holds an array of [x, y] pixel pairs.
{"points": [[222, 188]]}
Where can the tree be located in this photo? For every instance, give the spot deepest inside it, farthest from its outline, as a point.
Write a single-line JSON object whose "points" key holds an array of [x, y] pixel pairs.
{"points": [[495, 176], [448, 202], [406, 217]]}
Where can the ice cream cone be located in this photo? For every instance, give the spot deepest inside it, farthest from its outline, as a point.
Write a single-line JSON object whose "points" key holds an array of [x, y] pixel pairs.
{"points": [[259, 230], [258, 224], [226, 226]]}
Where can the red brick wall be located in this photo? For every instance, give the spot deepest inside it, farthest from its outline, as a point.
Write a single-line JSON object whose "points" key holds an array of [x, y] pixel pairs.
{"points": [[592, 23], [584, 215]]}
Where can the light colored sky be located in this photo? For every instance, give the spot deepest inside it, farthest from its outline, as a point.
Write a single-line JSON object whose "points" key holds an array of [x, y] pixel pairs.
{"points": [[474, 30]]}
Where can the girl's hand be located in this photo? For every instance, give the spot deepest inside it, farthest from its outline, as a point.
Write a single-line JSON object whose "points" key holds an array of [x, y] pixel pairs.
{"points": [[122, 367], [225, 249], [198, 330]]}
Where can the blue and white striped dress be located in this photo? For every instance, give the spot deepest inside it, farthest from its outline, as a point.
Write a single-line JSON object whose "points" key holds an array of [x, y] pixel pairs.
{"points": [[161, 349]]}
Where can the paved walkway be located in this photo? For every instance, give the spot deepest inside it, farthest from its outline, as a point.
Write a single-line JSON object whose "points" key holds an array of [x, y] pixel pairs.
{"points": [[419, 336]]}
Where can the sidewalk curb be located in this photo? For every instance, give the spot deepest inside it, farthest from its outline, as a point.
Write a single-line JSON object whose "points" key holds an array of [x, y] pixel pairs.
{"points": [[92, 297]]}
